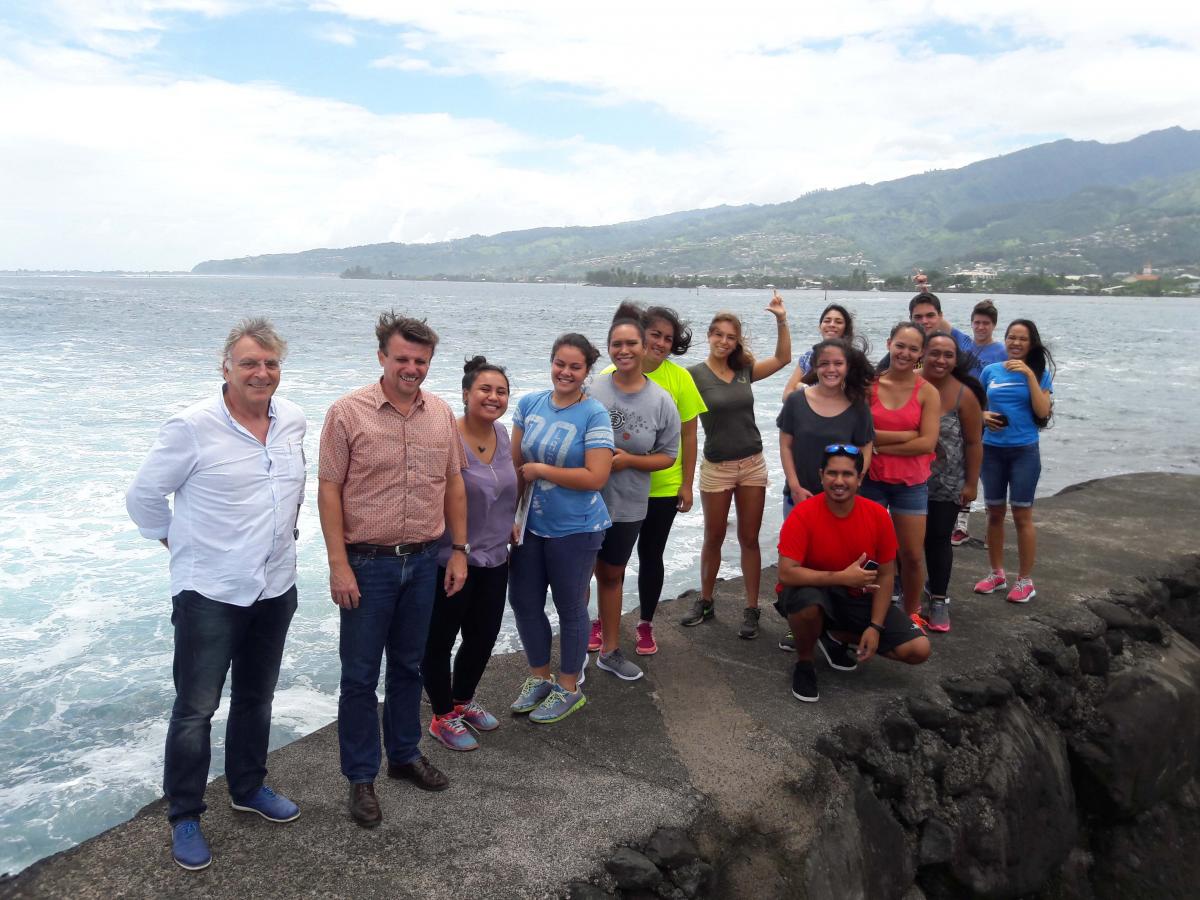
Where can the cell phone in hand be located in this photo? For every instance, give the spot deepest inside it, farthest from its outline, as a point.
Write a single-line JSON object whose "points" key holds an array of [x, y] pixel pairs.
{"points": [[1001, 420], [870, 565]]}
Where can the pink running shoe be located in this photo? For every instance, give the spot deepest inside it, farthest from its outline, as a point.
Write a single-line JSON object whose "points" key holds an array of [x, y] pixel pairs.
{"points": [[645, 639], [994, 582], [451, 732], [595, 640], [1022, 592]]}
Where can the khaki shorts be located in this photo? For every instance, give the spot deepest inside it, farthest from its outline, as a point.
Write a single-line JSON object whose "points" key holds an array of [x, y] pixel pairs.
{"points": [[725, 476]]}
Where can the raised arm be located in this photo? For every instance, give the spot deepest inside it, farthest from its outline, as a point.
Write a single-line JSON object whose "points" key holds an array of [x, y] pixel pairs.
{"points": [[783, 342]]}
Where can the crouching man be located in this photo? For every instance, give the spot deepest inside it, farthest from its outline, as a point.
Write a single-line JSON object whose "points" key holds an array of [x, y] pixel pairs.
{"points": [[835, 549]]}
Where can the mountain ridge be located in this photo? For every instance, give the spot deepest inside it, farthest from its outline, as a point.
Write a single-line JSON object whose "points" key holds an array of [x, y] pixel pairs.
{"points": [[931, 218]]}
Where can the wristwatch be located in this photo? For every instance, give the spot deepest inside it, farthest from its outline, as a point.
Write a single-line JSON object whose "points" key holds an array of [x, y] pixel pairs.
{"points": [[878, 628], [465, 548]]}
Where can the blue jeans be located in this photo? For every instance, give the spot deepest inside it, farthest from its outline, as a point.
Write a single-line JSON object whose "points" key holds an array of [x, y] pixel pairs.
{"points": [[1010, 473], [564, 564], [898, 499], [393, 618], [211, 638]]}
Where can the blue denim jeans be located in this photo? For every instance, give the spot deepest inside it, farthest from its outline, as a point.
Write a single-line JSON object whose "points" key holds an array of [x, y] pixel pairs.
{"points": [[564, 564], [392, 618], [210, 639], [1010, 473]]}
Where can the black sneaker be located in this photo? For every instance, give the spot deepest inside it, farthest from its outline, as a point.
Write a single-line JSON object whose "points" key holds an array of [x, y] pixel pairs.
{"points": [[788, 642], [840, 656], [804, 682], [702, 611], [749, 629]]}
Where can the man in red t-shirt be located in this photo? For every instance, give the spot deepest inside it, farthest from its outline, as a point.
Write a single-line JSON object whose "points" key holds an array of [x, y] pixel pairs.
{"points": [[835, 549]]}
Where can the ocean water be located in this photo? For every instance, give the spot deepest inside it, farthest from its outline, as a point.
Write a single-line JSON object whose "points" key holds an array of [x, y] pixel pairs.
{"points": [[94, 365]]}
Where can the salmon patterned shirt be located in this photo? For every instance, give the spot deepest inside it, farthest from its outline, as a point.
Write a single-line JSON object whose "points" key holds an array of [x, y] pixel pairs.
{"points": [[392, 467]]}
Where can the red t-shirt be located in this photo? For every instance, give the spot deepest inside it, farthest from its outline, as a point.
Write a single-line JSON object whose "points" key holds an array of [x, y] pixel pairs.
{"points": [[817, 539]]}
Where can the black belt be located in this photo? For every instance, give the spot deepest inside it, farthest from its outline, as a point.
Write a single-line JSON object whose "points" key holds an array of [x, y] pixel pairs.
{"points": [[373, 550]]}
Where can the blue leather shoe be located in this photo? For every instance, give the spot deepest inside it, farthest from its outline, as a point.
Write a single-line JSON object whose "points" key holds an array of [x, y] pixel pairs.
{"points": [[188, 846], [270, 805]]}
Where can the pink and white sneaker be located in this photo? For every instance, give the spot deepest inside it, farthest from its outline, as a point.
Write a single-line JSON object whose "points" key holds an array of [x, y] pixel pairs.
{"points": [[645, 640], [994, 582], [1022, 592], [595, 640]]}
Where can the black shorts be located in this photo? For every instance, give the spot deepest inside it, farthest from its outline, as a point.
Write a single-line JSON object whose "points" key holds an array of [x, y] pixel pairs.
{"points": [[619, 541], [850, 614]]}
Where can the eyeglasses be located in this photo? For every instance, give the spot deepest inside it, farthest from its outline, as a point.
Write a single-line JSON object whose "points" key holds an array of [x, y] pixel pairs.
{"points": [[842, 448]]}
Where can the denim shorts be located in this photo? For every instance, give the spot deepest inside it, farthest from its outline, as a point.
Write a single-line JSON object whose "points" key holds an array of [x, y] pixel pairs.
{"points": [[1010, 474], [898, 499]]}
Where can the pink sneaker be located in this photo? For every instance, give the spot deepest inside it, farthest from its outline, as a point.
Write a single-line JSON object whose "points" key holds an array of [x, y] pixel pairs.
{"points": [[994, 582], [595, 641], [1022, 592], [645, 639]]}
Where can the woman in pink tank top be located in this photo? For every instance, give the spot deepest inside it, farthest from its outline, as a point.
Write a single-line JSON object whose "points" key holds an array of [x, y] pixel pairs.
{"points": [[905, 409]]}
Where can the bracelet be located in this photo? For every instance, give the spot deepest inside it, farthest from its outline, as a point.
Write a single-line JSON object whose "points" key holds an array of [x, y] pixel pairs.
{"points": [[878, 628]]}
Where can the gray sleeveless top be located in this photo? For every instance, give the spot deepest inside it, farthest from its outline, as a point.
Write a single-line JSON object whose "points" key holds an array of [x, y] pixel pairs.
{"points": [[948, 472]]}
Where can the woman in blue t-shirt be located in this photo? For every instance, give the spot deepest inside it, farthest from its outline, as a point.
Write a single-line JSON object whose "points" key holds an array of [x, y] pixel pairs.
{"points": [[562, 448], [1019, 405]]}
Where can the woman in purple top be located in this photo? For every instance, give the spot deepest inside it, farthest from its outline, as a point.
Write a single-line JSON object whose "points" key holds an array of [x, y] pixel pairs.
{"points": [[478, 608]]}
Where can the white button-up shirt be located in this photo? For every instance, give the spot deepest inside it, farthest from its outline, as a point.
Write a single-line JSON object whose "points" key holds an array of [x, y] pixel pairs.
{"points": [[232, 534]]}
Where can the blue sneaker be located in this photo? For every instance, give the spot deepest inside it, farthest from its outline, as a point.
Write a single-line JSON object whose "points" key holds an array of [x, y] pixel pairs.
{"points": [[451, 732], [188, 846], [270, 805], [559, 704], [533, 692]]}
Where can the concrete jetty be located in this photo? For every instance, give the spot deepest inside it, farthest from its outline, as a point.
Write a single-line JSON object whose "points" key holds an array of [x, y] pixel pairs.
{"points": [[706, 778]]}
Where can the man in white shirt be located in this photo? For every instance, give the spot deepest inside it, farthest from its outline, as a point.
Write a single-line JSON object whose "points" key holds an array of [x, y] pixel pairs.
{"points": [[235, 464]]}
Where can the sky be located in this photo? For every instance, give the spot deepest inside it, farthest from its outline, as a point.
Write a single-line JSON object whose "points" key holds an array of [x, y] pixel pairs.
{"points": [[154, 134]]}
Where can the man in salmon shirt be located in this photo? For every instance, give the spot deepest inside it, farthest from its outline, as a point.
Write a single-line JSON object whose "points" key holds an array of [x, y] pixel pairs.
{"points": [[835, 549]]}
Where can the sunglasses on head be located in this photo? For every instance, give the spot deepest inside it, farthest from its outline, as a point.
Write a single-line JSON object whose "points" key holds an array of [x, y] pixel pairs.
{"points": [[842, 448]]}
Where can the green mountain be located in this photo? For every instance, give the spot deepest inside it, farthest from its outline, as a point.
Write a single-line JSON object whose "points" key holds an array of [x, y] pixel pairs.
{"points": [[1070, 206]]}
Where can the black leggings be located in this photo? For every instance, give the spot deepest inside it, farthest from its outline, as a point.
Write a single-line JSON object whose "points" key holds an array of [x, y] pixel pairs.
{"points": [[652, 545], [939, 554], [476, 610]]}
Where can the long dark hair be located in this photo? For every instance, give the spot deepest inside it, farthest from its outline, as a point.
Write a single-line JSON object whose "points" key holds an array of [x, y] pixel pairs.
{"points": [[1038, 359], [848, 335], [859, 373], [682, 340], [963, 364]]}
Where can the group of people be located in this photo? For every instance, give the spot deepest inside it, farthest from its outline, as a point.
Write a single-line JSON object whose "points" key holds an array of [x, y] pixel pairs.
{"points": [[433, 522]]}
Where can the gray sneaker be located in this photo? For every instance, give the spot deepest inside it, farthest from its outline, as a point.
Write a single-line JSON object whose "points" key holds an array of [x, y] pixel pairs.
{"points": [[533, 692], [616, 663], [939, 614], [702, 611], [559, 704], [788, 642], [749, 629]]}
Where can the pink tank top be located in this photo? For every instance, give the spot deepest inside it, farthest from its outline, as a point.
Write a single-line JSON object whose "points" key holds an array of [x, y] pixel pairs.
{"points": [[908, 470]]}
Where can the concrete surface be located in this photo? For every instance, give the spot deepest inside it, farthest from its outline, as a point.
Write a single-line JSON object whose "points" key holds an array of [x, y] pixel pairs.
{"points": [[712, 733]]}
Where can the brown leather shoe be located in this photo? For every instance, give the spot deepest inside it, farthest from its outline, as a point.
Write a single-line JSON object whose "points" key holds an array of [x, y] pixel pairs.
{"points": [[364, 805], [420, 772]]}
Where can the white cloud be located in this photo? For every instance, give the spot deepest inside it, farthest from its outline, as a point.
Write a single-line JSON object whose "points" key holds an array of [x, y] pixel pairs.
{"points": [[105, 163]]}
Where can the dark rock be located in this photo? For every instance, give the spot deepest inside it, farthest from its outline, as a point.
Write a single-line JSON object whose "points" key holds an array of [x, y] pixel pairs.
{"points": [[970, 694], [932, 755], [694, 878], [1132, 622], [1018, 831], [937, 843], [632, 870], [688, 594], [952, 733], [1059, 697], [899, 732], [1146, 749], [859, 851], [1072, 623], [920, 801], [581, 890], [1115, 641], [848, 742], [928, 713], [671, 847], [1094, 657], [964, 770]]}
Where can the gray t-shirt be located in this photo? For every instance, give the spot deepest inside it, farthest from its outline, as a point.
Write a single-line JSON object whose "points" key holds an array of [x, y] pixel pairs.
{"points": [[812, 432], [729, 429], [643, 422]]}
